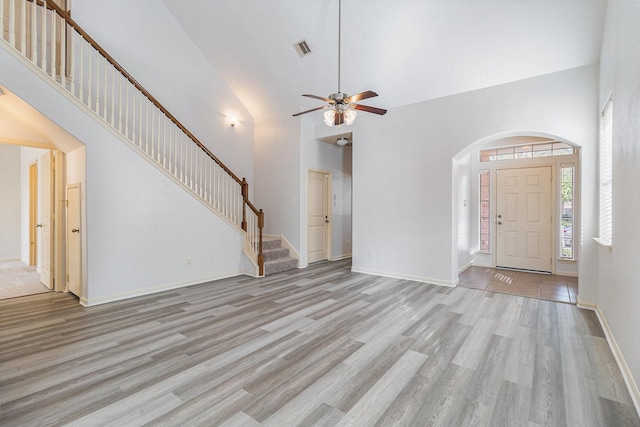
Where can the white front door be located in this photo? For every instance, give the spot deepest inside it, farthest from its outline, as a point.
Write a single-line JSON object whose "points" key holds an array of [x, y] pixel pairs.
{"points": [[44, 205], [74, 245], [318, 216], [523, 218]]}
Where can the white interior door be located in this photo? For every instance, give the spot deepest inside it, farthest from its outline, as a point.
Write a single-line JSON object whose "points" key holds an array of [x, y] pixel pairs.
{"points": [[74, 245], [523, 218], [44, 205], [317, 216]]}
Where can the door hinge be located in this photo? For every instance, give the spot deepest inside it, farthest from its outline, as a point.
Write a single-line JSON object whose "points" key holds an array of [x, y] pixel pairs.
{"points": [[66, 203]]}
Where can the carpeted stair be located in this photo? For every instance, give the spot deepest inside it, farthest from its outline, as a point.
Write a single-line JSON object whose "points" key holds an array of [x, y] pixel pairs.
{"points": [[276, 258]]}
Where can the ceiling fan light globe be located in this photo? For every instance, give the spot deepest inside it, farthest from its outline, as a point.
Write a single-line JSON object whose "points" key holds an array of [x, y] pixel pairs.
{"points": [[350, 117], [329, 117]]}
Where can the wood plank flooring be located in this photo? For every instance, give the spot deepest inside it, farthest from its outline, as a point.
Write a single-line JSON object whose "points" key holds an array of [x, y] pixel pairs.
{"points": [[316, 347]]}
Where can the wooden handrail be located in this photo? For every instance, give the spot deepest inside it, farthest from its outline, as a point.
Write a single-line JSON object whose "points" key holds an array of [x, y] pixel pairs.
{"points": [[64, 15], [244, 186]]}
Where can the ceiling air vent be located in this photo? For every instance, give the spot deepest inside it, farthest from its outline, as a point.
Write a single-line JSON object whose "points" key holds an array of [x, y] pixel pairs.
{"points": [[302, 48]]}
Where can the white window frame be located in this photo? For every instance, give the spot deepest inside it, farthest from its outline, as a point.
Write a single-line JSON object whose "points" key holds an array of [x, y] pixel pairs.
{"points": [[482, 250], [562, 231], [605, 235]]}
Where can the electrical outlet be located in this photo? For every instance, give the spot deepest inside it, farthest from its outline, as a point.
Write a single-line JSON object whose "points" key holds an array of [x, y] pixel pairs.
{"points": [[370, 253], [188, 262]]}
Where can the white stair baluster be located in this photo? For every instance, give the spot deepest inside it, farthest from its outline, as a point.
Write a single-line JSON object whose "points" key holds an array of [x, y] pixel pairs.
{"points": [[12, 23], [23, 28], [97, 93], [53, 56], [63, 52], [89, 77]]}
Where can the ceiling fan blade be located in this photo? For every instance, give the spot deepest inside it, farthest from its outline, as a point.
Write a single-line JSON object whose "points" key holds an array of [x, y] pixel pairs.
{"points": [[360, 96], [368, 109], [308, 111], [321, 98]]}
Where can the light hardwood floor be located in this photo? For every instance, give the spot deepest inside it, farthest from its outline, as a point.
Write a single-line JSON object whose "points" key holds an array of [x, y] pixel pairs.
{"points": [[320, 346]]}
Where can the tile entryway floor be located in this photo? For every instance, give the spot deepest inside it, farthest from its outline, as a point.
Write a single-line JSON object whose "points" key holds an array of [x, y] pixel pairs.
{"points": [[544, 286]]}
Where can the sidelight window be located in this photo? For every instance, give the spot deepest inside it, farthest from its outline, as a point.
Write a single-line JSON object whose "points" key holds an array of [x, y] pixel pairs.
{"points": [[606, 173], [567, 181], [484, 211]]}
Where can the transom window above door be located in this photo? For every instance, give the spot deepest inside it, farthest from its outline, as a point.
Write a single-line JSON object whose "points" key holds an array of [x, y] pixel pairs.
{"points": [[527, 151]]}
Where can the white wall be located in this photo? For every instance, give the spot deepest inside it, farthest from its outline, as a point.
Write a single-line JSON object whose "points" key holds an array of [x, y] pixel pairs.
{"points": [[616, 282], [9, 201], [320, 155], [150, 44], [403, 206], [277, 176]]}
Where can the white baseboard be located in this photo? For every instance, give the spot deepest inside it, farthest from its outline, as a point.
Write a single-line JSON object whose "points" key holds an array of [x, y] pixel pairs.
{"points": [[613, 345], [408, 277], [340, 258], [463, 268], [479, 264], [566, 273], [90, 302]]}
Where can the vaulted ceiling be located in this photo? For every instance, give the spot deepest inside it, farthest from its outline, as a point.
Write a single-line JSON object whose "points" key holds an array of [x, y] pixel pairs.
{"points": [[406, 50]]}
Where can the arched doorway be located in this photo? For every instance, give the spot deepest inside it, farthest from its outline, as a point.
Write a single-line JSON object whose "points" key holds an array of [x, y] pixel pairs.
{"points": [[481, 172]]}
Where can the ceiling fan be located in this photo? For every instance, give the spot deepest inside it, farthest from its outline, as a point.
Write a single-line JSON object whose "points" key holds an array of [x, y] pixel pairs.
{"points": [[341, 108]]}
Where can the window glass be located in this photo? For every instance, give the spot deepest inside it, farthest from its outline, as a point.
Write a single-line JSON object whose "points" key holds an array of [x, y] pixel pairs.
{"points": [[606, 173], [527, 151], [485, 210], [567, 179]]}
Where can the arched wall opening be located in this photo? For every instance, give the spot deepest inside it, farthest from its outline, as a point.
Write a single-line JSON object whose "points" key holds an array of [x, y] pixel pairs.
{"points": [[466, 201]]}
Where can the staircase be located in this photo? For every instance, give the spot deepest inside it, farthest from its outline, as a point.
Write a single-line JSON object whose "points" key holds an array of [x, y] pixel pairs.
{"points": [[43, 35], [276, 258]]}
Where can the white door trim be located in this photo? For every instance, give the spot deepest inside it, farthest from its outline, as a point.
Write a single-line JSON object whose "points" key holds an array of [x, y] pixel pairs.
{"points": [[327, 201], [74, 284]]}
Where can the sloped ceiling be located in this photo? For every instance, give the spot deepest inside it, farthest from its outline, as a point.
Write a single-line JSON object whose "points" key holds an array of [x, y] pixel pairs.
{"points": [[406, 50]]}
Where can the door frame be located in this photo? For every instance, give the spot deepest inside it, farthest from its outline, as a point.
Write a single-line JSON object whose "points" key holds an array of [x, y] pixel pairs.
{"points": [[57, 194], [554, 206], [33, 213], [77, 185], [329, 238]]}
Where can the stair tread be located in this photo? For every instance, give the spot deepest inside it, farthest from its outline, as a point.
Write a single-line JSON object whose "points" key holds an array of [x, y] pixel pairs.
{"points": [[274, 249], [278, 260]]}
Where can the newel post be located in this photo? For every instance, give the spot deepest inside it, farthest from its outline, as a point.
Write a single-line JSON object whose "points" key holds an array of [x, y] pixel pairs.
{"points": [[245, 198], [260, 255]]}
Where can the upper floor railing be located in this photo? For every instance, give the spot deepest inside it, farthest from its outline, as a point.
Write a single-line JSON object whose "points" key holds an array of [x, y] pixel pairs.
{"points": [[45, 34]]}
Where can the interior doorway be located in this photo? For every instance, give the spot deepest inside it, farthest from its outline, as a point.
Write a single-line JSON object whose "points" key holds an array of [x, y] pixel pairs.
{"points": [[38, 180], [318, 216], [524, 219]]}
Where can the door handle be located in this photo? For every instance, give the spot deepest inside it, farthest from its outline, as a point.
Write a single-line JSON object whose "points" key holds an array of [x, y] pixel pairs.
{"points": [[75, 230], [499, 222], [38, 225]]}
